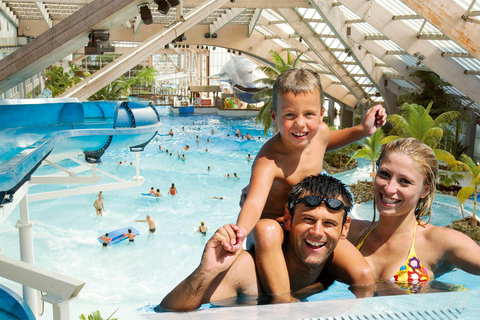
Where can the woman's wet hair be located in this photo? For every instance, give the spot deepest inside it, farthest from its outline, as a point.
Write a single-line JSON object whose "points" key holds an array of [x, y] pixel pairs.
{"points": [[297, 81], [323, 186], [426, 162]]}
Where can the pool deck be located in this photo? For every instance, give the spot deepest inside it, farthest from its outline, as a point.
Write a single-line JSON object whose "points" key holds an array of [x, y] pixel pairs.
{"points": [[448, 305]]}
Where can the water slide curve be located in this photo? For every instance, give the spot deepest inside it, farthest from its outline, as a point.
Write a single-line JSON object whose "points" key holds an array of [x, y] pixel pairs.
{"points": [[32, 129]]}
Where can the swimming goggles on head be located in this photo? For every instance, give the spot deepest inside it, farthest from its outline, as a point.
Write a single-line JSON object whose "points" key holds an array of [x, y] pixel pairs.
{"points": [[315, 201]]}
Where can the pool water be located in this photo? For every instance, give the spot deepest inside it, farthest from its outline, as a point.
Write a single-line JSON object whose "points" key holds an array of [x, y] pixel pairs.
{"points": [[136, 276]]}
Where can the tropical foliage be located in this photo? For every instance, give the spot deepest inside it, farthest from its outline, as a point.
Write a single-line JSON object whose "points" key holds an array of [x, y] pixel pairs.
{"points": [[146, 76], [58, 80], [95, 315], [110, 92], [280, 66], [415, 121], [370, 149], [474, 188]]}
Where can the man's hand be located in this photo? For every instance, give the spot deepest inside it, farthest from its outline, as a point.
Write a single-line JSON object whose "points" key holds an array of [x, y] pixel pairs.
{"points": [[221, 250], [375, 118]]}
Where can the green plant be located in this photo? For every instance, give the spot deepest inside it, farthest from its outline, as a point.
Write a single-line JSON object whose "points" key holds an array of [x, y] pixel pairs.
{"points": [[146, 76], [415, 121], [450, 179], [125, 85], [466, 192], [370, 149], [110, 92], [95, 315], [272, 73]]}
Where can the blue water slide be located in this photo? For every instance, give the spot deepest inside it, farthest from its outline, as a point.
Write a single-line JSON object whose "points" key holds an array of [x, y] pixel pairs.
{"points": [[12, 306], [31, 129]]}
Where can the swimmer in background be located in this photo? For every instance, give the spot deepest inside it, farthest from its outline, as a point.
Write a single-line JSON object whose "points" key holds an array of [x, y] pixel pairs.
{"points": [[249, 157], [208, 168], [206, 150], [219, 198], [228, 176], [152, 191], [235, 176], [98, 204], [171, 132], [105, 240], [198, 139], [183, 157], [249, 136], [187, 147], [130, 235], [160, 148], [151, 223], [213, 131], [208, 140], [173, 191], [202, 229], [238, 133], [158, 194]]}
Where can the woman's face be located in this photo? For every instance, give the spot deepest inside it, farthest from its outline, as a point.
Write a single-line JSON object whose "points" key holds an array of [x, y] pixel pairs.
{"points": [[399, 185]]}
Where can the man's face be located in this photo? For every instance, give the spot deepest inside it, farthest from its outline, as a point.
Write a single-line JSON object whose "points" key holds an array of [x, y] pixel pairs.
{"points": [[314, 233]]}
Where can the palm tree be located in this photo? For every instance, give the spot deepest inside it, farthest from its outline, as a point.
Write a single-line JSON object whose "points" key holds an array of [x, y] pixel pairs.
{"points": [[272, 73], [415, 121], [125, 85], [466, 192], [147, 76], [370, 149], [110, 92], [57, 80]]}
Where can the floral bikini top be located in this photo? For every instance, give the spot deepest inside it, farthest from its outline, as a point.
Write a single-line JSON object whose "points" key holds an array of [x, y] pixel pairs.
{"points": [[412, 272]]}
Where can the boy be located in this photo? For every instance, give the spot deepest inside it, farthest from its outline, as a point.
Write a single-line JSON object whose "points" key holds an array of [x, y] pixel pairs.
{"points": [[294, 153]]}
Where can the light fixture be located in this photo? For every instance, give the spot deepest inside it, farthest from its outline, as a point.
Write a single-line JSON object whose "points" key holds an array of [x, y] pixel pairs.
{"points": [[174, 3], [207, 35], [98, 42], [146, 14], [214, 35], [163, 6]]}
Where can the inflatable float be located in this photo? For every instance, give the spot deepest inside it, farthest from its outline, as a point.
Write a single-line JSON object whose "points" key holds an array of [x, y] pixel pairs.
{"points": [[118, 235]]}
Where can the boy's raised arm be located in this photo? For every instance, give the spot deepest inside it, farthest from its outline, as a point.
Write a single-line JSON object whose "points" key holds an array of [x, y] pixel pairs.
{"points": [[260, 184], [375, 118]]}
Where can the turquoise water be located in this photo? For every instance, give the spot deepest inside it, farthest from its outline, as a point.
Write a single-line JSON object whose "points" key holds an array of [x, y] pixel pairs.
{"points": [[137, 276]]}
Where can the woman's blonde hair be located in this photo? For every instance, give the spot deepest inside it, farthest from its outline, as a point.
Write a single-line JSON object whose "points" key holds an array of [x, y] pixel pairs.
{"points": [[426, 162]]}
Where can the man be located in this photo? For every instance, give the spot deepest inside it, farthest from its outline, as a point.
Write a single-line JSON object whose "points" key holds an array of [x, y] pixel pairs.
{"points": [[315, 220], [151, 223], [98, 204]]}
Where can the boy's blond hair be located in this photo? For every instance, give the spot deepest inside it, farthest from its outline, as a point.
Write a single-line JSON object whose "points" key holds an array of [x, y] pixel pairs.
{"points": [[297, 80]]}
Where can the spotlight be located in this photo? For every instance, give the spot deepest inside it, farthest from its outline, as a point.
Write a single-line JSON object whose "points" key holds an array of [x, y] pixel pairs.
{"points": [[207, 35], [146, 14], [167, 46], [174, 3], [214, 48], [188, 46], [163, 6], [98, 43], [239, 53], [233, 52], [202, 47], [301, 39], [198, 47], [206, 47], [228, 50], [214, 35], [183, 46]]}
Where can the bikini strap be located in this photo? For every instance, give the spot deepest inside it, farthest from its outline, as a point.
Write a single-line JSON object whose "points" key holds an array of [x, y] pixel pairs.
{"points": [[360, 245]]}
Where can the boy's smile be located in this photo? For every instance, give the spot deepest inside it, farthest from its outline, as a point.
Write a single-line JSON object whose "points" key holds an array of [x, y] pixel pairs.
{"points": [[298, 116]]}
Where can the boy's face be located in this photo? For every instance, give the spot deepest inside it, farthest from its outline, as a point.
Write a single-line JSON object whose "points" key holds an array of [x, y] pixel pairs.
{"points": [[298, 117]]}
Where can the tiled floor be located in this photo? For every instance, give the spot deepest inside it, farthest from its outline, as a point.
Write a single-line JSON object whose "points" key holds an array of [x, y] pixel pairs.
{"points": [[452, 305]]}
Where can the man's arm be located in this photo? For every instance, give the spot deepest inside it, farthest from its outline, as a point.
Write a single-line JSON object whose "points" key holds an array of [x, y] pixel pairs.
{"points": [[374, 119], [188, 295]]}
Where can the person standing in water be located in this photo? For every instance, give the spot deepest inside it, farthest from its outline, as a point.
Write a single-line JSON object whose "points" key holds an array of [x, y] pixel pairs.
{"points": [[98, 204]]}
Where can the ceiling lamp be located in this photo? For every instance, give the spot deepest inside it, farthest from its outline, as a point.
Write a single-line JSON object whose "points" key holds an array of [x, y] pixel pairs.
{"points": [[174, 3], [163, 6], [146, 14]]}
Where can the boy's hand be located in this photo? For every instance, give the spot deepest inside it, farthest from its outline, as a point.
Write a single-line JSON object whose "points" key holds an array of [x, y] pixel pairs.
{"points": [[375, 118], [216, 256]]}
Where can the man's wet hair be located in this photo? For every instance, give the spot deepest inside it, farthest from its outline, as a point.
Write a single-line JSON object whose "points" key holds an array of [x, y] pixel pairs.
{"points": [[324, 186]]}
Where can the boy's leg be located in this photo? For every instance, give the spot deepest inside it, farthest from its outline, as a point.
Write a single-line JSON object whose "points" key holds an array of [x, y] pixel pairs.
{"points": [[270, 262]]}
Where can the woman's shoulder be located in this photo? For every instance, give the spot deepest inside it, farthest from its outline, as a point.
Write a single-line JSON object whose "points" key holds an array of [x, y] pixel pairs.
{"points": [[441, 236], [356, 229]]}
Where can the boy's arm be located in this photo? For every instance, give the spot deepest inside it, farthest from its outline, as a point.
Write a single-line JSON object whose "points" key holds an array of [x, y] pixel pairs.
{"points": [[260, 184], [374, 119]]}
